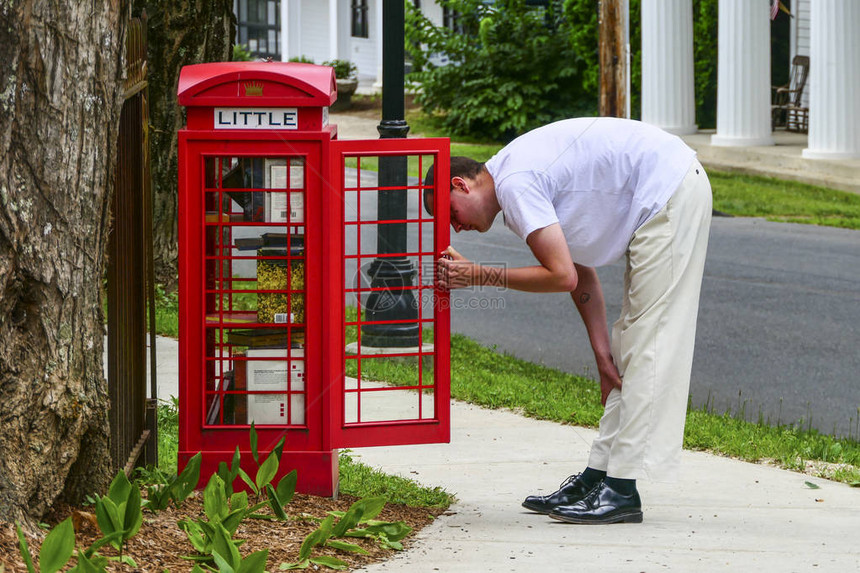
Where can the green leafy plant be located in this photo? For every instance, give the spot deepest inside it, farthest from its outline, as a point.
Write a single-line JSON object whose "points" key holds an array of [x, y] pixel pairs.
{"points": [[163, 489], [56, 550], [317, 537], [343, 69], [226, 509], [229, 473], [267, 470], [119, 513], [222, 512], [388, 534], [241, 53]]}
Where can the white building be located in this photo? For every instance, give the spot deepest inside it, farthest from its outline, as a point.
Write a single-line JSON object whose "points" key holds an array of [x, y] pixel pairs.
{"points": [[825, 30], [323, 30]]}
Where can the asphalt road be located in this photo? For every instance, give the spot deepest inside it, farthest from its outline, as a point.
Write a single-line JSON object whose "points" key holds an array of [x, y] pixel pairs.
{"points": [[778, 333]]}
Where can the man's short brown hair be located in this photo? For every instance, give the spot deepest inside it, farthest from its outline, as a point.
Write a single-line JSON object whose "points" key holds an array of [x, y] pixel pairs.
{"points": [[460, 167]]}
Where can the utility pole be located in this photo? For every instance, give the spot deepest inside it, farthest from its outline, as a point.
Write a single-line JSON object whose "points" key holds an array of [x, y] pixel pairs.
{"points": [[394, 274], [613, 52]]}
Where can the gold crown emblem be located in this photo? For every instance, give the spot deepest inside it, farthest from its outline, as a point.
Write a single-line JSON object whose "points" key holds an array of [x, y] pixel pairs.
{"points": [[253, 89]]}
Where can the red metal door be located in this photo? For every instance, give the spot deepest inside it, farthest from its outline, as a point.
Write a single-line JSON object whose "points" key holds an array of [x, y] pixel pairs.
{"points": [[387, 395]]}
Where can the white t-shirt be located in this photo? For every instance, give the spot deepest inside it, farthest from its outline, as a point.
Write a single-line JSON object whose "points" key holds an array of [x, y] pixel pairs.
{"points": [[600, 178]]}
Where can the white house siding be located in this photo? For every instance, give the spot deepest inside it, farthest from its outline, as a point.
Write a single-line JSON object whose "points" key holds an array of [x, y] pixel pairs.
{"points": [[363, 51], [800, 36], [432, 11], [314, 30], [344, 49]]}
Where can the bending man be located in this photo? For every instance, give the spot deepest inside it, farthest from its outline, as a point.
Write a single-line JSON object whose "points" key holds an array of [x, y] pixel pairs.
{"points": [[583, 193]]}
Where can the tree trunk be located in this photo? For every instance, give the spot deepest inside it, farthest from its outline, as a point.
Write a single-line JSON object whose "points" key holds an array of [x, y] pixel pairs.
{"points": [[59, 111], [180, 33]]}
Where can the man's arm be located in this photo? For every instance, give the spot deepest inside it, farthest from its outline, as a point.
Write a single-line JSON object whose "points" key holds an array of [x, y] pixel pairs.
{"points": [[556, 272], [588, 298]]}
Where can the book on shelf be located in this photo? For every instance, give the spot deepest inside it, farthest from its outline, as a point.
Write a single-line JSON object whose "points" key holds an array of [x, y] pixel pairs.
{"points": [[215, 217], [232, 317], [266, 337], [272, 240]]}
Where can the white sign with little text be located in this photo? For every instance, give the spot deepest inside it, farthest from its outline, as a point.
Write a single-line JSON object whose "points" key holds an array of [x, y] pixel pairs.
{"points": [[256, 118]]}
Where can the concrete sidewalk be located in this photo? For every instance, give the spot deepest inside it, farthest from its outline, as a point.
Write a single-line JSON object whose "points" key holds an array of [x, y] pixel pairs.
{"points": [[722, 515]]}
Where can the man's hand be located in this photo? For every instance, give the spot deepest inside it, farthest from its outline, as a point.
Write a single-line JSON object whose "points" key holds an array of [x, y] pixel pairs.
{"points": [[453, 270], [609, 378]]}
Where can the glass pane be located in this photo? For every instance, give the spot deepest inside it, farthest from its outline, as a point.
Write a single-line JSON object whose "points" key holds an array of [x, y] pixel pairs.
{"points": [[255, 290], [388, 274]]}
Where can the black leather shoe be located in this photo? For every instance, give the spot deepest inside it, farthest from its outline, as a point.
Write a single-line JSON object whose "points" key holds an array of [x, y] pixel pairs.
{"points": [[602, 505], [569, 492]]}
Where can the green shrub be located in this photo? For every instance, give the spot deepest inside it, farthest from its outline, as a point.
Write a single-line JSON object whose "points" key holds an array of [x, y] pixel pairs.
{"points": [[512, 68], [302, 59], [343, 69], [705, 61], [241, 53]]}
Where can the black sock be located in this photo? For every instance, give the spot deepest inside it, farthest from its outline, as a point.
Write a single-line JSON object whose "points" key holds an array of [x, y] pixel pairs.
{"points": [[622, 486], [592, 477]]}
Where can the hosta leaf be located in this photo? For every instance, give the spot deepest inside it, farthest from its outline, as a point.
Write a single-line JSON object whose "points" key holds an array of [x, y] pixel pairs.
{"points": [[57, 548], [25, 549], [330, 562], [346, 546], [254, 563], [287, 487], [267, 471]]}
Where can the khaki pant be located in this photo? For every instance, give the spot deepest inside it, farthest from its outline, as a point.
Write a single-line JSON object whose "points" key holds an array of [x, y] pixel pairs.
{"points": [[642, 428]]}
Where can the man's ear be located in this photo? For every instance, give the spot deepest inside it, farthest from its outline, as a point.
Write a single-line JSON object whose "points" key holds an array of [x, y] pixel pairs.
{"points": [[459, 183]]}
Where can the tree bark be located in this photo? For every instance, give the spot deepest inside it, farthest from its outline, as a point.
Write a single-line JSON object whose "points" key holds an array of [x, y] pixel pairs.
{"points": [[180, 33], [60, 98]]}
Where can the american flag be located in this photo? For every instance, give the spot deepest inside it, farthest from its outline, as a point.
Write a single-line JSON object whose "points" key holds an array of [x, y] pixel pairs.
{"points": [[774, 9]]}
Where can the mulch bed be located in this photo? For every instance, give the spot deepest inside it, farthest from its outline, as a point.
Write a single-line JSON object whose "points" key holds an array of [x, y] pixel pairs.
{"points": [[160, 544]]}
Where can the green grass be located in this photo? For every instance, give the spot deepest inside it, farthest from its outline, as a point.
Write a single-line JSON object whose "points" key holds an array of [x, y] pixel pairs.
{"points": [[785, 201], [168, 434], [361, 480]]}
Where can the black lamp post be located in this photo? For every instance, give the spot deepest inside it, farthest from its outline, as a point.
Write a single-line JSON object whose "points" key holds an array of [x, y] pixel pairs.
{"points": [[392, 273]]}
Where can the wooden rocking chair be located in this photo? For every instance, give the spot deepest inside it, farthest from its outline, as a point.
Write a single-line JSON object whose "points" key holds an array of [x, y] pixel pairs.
{"points": [[787, 109]]}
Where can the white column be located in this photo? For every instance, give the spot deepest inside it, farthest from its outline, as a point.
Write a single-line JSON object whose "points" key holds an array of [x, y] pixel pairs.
{"points": [[668, 90], [332, 30], [285, 30], [743, 74], [376, 34], [834, 82], [291, 31]]}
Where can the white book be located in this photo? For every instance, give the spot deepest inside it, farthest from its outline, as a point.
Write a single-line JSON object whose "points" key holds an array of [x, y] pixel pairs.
{"points": [[273, 373]]}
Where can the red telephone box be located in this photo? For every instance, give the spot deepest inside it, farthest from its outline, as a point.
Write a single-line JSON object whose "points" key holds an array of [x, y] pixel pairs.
{"points": [[277, 231]]}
